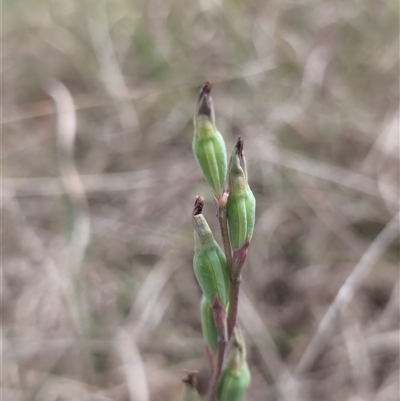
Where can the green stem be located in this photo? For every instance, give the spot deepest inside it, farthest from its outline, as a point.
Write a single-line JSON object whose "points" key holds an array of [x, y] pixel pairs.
{"points": [[233, 303], [223, 225], [212, 390], [224, 340], [234, 286], [234, 282]]}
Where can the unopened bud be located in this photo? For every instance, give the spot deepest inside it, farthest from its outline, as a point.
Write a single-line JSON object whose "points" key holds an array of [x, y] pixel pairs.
{"points": [[241, 205], [236, 376], [209, 261], [208, 144], [189, 392]]}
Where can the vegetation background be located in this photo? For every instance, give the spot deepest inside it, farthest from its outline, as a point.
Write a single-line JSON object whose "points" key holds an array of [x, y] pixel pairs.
{"points": [[99, 300]]}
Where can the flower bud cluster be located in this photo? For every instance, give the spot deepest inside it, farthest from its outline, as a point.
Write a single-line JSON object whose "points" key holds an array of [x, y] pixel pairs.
{"points": [[218, 280]]}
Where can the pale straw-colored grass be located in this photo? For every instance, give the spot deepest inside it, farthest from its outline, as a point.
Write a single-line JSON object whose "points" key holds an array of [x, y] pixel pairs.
{"points": [[99, 301]]}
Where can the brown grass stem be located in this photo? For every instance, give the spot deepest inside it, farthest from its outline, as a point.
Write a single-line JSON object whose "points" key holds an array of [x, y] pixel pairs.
{"points": [[346, 293]]}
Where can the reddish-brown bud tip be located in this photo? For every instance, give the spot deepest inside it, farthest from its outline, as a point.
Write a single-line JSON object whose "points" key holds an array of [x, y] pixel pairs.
{"points": [[206, 88], [239, 146], [190, 378], [198, 205], [205, 104]]}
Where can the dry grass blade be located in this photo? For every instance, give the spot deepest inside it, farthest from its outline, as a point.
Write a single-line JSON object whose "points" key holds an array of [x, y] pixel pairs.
{"points": [[109, 68], [96, 233], [148, 296], [346, 293], [390, 316], [133, 367], [260, 336], [69, 175], [360, 361], [92, 183], [327, 172], [389, 391]]}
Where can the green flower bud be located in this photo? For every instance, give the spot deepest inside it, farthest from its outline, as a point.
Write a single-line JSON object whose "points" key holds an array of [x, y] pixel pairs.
{"points": [[208, 144], [236, 377], [189, 392], [208, 325], [234, 384], [241, 205], [209, 261]]}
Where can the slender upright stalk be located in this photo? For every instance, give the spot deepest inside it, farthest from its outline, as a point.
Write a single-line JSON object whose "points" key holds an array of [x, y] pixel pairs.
{"points": [[234, 268], [233, 284], [212, 389], [238, 259], [223, 225], [210, 153], [235, 276], [233, 304], [221, 326]]}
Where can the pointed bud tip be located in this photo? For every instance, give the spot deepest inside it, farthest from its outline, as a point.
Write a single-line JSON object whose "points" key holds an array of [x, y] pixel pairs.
{"points": [[237, 164], [237, 338], [198, 205], [190, 378], [239, 146], [204, 103], [206, 88]]}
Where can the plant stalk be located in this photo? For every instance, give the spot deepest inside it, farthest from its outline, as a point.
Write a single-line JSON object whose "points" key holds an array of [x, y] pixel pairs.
{"points": [[223, 225], [212, 390], [234, 281], [233, 303], [223, 337], [219, 315]]}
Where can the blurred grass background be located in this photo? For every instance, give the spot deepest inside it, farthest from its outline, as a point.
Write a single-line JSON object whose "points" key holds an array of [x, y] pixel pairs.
{"points": [[99, 300]]}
